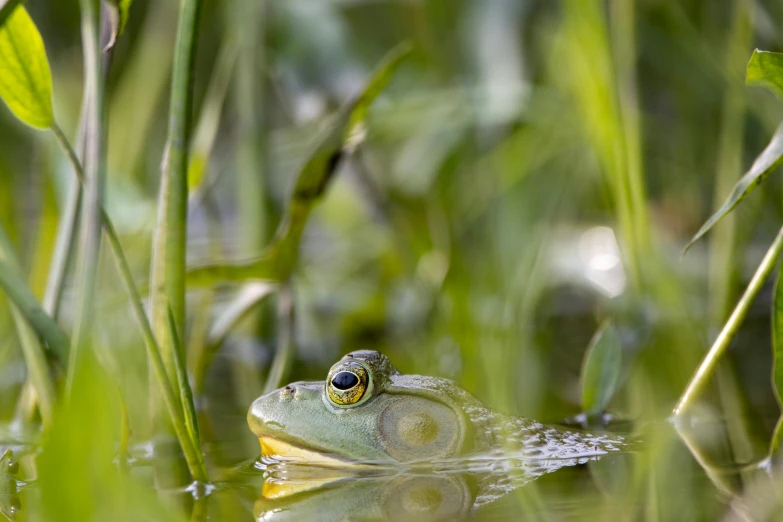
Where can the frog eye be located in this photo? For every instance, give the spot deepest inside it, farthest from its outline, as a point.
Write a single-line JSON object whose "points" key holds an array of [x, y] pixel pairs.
{"points": [[347, 384]]}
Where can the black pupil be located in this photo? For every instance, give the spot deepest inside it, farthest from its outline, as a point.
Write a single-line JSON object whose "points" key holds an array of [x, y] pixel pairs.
{"points": [[345, 381]]}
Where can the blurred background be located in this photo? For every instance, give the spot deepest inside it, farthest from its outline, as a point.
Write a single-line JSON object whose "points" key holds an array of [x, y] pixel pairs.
{"points": [[535, 168]]}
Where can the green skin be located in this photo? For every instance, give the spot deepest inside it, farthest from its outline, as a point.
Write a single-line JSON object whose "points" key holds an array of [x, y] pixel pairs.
{"points": [[408, 418]]}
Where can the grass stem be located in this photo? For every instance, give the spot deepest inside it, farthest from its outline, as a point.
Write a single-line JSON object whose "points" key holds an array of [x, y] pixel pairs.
{"points": [[95, 168], [708, 364]]}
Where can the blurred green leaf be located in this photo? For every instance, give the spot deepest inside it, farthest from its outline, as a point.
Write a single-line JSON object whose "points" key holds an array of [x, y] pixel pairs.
{"points": [[6, 8], [765, 69], [25, 78], [77, 475], [601, 369], [770, 159], [13, 285], [278, 260], [777, 358], [118, 10]]}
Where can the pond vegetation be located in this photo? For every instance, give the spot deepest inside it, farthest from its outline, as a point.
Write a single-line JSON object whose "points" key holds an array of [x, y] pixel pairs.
{"points": [[571, 209]]}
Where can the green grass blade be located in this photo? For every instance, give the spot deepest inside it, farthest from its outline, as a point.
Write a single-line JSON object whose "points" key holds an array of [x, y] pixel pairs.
{"points": [[37, 367], [185, 392], [777, 358], [25, 77], [168, 259], [770, 159], [601, 369], [284, 353], [167, 280], [278, 260], [765, 69], [12, 283], [706, 369]]}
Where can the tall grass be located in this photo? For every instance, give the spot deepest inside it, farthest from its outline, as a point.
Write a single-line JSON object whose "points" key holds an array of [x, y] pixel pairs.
{"points": [[475, 208]]}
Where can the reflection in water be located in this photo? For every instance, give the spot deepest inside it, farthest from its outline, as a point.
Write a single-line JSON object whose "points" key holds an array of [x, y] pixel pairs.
{"points": [[9, 499], [438, 490]]}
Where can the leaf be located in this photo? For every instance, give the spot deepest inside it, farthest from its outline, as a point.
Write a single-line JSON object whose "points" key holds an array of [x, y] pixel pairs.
{"points": [[278, 260], [765, 69], [118, 11], [25, 78], [777, 358], [600, 369], [6, 8], [765, 163]]}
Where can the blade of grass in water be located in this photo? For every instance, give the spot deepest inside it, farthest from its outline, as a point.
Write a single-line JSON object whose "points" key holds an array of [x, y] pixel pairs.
{"points": [[707, 367], [278, 260], [173, 406], [94, 173], [285, 339], [185, 392], [170, 235]]}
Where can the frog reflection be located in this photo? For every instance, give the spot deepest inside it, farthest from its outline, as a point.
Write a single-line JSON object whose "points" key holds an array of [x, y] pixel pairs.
{"points": [[367, 413], [393, 497]]}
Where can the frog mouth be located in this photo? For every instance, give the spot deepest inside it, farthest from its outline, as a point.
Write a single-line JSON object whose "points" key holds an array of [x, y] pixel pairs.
{"points": [[282, 451]]}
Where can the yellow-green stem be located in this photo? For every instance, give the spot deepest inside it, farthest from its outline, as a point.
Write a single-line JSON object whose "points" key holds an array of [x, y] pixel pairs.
{"points": [[707, 367]]}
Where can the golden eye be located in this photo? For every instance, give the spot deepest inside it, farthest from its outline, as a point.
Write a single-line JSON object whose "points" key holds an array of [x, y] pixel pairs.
{"points": [[347, 384]]}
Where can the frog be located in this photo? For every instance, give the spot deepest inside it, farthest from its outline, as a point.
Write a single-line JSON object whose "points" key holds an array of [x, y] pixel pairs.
{"points": [[367, 413]]}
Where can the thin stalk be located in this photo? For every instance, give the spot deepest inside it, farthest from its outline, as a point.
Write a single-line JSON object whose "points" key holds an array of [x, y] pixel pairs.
{"points": [[167, 281], [169, 248], [622, 17], [250, 19], [725, 241], [95, 168], [192, 455], [37, 368], [285, 339], [708, 364], [63, 251]]}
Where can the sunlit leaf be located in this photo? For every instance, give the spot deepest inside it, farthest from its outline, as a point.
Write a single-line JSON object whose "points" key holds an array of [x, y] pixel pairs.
{"points": [[6, 8], [278, 260], [25, 78], [765, 163], [601, 369], [119, 11], [766, 69], [777, 358]]}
